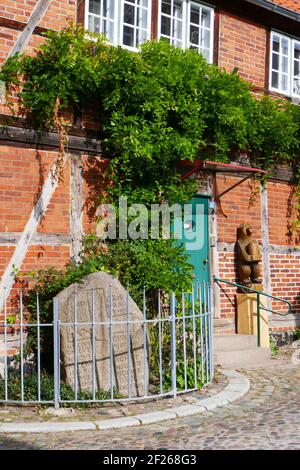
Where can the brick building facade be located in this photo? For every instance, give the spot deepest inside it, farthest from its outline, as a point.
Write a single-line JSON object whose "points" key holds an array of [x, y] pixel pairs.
{"points": [[41, 226]]}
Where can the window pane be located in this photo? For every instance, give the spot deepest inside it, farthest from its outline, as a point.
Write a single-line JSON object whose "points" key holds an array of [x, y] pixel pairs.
{"points": [[296, 68], [206, 39], [284, 46], [296, 87], [276, 44], [177, 29], [128, 36], [284, 82], [108, 29], [297, 51], [128, 14], [166, 25], [194, 17], [108, 9], [142, 19], [205, 18], [285, 64], [141, 36], [275, 80], [94, 6], [177, 8], [194, 35], [177, 43], [166, 7], [275, 61], [206, 54]]}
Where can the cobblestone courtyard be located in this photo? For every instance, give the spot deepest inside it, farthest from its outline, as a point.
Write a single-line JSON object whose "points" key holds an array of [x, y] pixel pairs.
{"points": [[268, 417]]}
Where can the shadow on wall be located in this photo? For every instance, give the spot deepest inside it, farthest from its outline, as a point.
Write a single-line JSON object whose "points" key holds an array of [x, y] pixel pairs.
{"points": [[296, 309], [94, 177], [293, 236]]}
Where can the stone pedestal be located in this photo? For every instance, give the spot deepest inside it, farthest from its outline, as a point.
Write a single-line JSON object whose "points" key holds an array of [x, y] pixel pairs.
{"points": [[247, 316]]}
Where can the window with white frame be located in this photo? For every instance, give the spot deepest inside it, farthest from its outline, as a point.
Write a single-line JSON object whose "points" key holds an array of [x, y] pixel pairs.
{"points": [[187, 24], [124, 22], [184, 23], [285, 65]]}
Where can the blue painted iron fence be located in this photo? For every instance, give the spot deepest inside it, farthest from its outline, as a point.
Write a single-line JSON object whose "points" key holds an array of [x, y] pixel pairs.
{"points": [[174, 353]]}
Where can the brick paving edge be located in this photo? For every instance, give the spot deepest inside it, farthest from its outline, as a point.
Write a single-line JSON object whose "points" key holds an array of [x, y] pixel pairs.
{"points": [[238, 386]]}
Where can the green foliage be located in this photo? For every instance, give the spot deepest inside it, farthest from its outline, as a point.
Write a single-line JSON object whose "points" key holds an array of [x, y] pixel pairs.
{"points": [[153, 264], [154, 109], [296, 336], [186, 375], [273, 346], [47, 389]]}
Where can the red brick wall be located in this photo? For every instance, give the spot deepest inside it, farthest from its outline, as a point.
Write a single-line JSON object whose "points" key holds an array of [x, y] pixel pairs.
{"points": [[285, 280], [243, 45], [22, 173], [238, 206], [233, 210], [282, 213], [93, 187]]}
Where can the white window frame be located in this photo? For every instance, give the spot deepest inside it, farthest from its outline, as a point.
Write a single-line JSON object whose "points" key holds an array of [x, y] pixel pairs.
{"points": [[186, 24], [291, 47], [119, 23], [183, 24]]}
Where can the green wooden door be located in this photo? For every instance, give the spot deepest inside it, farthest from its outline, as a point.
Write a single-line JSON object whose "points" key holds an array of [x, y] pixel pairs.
{"points": [[195, 235]]}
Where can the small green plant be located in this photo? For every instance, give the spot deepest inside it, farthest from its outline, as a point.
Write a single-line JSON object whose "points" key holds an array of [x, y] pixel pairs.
{"points": [[47, 390], [296, 335], [274, 348], [190, 373], [11, 319]]}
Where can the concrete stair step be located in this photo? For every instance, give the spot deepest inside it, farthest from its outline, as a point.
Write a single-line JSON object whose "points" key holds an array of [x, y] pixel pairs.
{"points": [[234, 342], [224, 326], [242, 357], [238, 351]]}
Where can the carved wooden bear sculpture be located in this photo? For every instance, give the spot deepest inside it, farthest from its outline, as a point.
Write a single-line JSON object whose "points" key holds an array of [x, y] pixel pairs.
{"points": [[248, 256]]}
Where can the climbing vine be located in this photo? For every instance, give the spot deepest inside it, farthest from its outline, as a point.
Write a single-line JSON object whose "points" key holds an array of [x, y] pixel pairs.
{"points": [[153, 109]]}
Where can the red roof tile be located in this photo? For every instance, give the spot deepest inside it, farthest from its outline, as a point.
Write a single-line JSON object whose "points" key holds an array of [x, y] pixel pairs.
{"points": [[293, 5]]}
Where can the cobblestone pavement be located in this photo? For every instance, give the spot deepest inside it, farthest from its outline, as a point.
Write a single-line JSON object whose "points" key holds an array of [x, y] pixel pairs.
{"points": [[268, 417], [27, 414]]}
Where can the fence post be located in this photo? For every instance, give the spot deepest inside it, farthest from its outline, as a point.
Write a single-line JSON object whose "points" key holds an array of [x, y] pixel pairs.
{"points": [[173, 344], [211, 341], [56, 353], [258, 320]]}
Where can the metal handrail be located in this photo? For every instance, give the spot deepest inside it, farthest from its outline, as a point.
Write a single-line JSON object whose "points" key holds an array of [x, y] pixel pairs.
{"points": [[259, 306]]}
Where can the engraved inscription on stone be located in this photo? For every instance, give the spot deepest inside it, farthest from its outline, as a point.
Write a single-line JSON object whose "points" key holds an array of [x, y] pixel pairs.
{"points": [[85, 328]]}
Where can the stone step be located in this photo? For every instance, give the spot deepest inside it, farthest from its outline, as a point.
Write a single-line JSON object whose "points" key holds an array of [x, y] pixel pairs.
{"points": [[242, 358], [239, 351], [224, 326], [234, 342]]}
